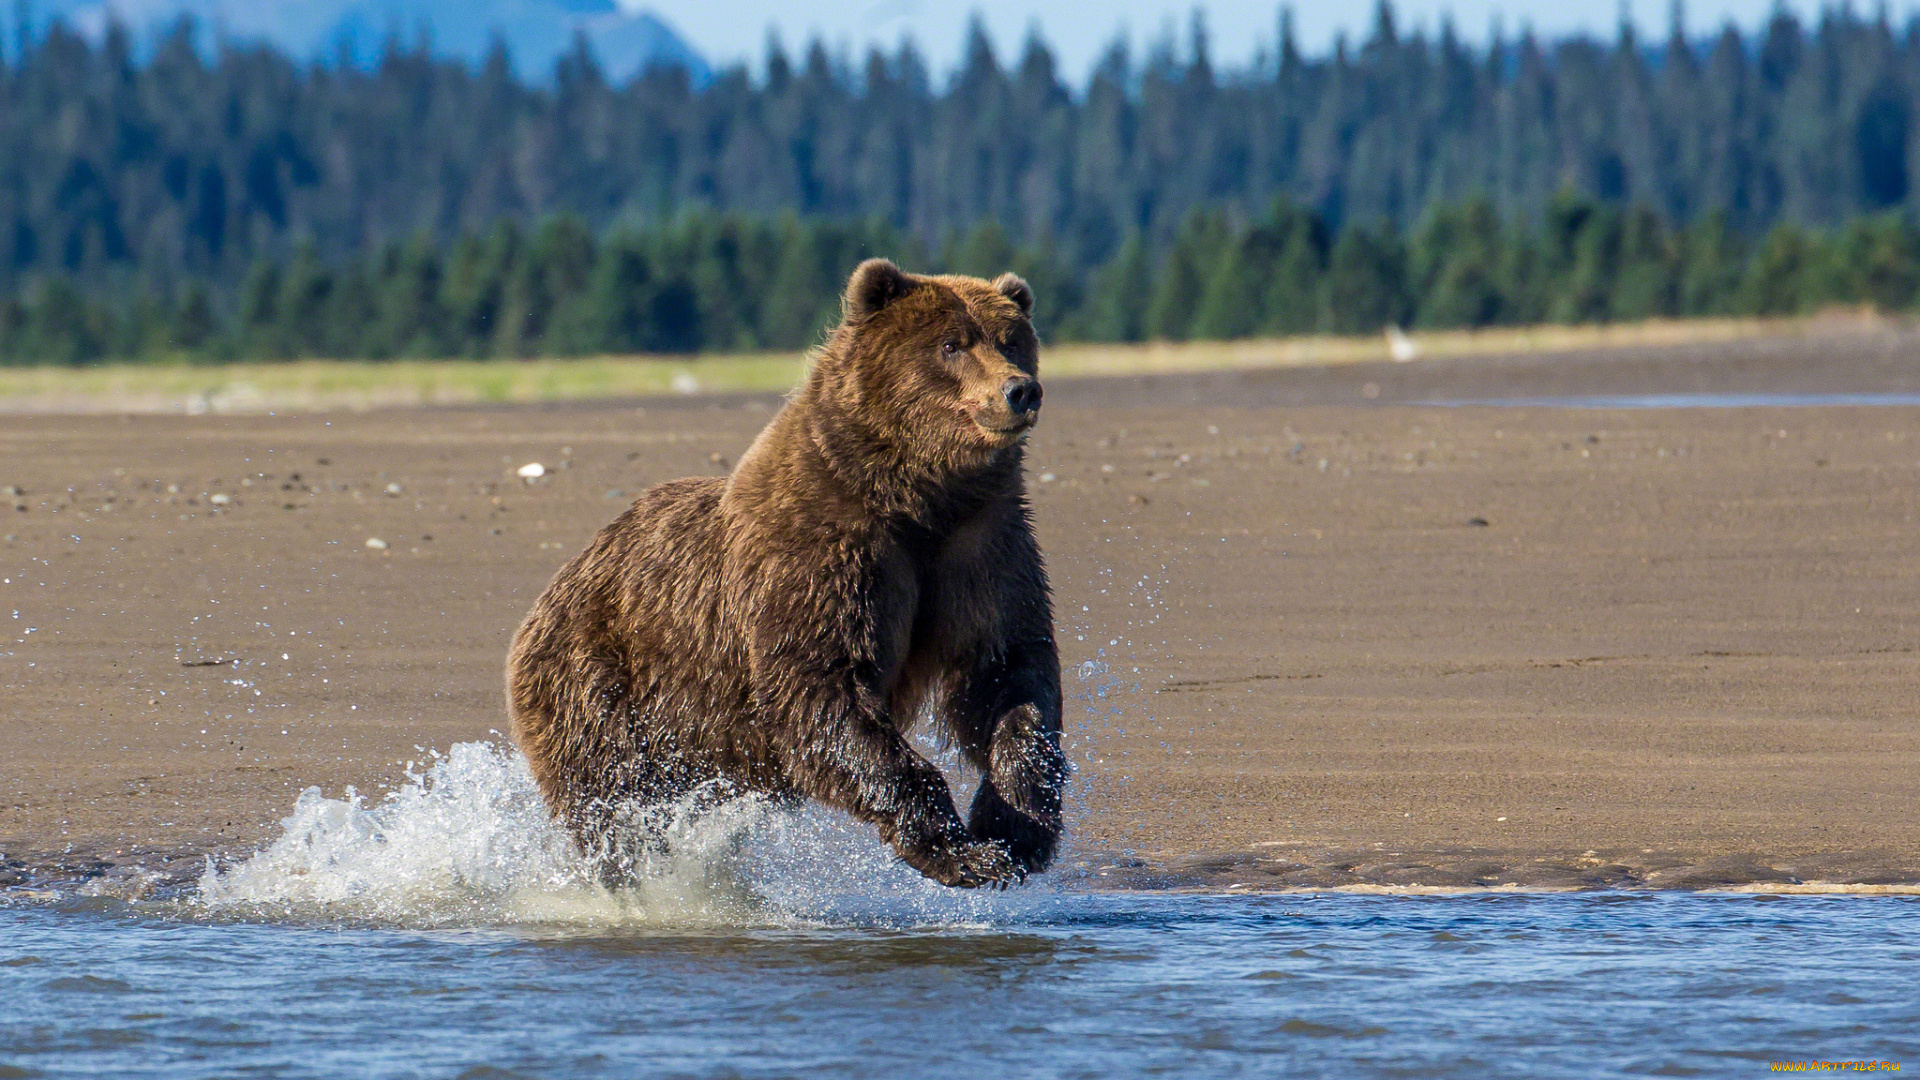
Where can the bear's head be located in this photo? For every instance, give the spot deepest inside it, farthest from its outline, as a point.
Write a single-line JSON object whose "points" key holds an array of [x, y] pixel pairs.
{"points": [[944, 368]]}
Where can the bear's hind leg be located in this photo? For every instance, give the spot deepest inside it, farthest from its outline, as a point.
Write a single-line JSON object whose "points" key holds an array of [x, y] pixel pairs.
{"points": [[605, 851], [620, 833], [612, 786]]}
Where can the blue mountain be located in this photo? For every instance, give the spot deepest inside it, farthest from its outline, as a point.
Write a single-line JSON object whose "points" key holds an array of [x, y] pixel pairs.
{"points": [[536, 32]]}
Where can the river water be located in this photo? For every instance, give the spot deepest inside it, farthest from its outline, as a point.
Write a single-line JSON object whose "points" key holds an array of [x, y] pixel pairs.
{"points": [[446, 932]]}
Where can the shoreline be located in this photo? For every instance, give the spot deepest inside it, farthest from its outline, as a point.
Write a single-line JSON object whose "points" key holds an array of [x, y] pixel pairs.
{"points": [[311, 385], [134, 876]]}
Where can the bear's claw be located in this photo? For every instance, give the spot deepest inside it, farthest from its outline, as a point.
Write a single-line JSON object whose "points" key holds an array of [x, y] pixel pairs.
{"points": [[1028, 842], [970, 865]]}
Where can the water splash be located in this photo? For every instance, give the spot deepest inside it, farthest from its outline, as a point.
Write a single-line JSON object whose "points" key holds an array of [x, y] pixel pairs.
{"points": [[469, 842], [1107, 692]]}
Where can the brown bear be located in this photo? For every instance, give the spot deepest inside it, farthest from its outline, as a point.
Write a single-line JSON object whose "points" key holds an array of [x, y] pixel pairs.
{"points": [[779, 629]]}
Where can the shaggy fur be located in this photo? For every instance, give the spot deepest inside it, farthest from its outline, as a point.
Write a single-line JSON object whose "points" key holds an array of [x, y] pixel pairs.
{"points": [[779, 629]]}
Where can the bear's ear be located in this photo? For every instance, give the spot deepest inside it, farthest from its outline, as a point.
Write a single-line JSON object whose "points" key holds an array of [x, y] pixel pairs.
{"points": [[1015, 288], [875, 284]]}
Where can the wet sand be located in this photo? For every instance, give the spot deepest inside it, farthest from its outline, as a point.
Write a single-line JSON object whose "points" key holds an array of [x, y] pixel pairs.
{"points": [[1315, 635]]}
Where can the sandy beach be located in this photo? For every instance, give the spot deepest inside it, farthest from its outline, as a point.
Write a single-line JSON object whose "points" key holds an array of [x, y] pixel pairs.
{"points": [[1316, 633]]}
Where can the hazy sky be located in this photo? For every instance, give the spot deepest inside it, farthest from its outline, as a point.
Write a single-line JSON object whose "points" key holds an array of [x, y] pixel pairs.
{"points": [[1079, 30]]}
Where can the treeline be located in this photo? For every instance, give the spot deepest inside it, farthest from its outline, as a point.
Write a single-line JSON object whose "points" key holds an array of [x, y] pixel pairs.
{"points": [[709, 282], [121, 173]]}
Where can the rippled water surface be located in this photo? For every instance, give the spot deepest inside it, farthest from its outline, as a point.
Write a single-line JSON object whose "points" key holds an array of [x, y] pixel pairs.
{"points": [[1063, 985], [447, 931]]}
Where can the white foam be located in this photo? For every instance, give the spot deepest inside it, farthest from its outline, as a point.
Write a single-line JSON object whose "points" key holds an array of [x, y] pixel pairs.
{"points": [[470, 843]]}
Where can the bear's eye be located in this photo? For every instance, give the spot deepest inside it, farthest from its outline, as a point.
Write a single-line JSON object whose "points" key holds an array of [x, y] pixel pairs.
{"points": [[949, 349]]}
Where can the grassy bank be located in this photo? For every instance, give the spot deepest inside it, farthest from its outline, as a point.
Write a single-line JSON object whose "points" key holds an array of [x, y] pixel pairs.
{"points": [[319, 385]]}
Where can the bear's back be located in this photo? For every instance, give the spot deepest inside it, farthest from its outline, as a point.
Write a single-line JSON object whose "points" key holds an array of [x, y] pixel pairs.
{"points": [[646, 584], [661, 561]]}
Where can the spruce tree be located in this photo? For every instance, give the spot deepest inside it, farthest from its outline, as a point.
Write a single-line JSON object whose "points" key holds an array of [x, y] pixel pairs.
{"points": [[304, 319], [802, 298], [13, 330], [1116, 311], [1776, 281], [193, 326], [1877, 261], [1233, 303], [65, 328], [411, 319], [475, 293], [1293, 302], [1712, 265], [1366, 286], [1647, 280], [1454, 266], [1178, 291], [1584, 292], [983, 251], [1057, 290], [730, 260], [553, 269], [258, 333]]}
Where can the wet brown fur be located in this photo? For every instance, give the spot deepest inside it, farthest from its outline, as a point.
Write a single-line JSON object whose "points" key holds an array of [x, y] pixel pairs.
{"points": [[779, 629]]}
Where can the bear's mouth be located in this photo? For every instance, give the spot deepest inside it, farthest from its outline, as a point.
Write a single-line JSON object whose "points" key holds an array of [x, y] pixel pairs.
{"points": [[1007, 430]]}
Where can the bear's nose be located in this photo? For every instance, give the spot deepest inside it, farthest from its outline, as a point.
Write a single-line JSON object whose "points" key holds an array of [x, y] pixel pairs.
{"points": [[1023, 394]]}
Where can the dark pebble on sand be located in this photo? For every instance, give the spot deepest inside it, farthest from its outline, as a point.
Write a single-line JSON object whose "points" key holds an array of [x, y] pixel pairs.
{"points": [[1478, 521]]}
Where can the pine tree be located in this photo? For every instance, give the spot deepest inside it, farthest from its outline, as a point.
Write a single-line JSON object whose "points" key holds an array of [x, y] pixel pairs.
{"points": [[1712, 264], [1057, 290], [64, 328], [554, 267], [1877, 261], [1776, 281], [983, 252], [1454, 266], [1233, 303], [259, 317], [193, 327], [303, 316], [13, 333], [1647, 279], [1116, 310], [411, 320], [1366, 286], [1181, 281], [475, 293], [802, 300]]}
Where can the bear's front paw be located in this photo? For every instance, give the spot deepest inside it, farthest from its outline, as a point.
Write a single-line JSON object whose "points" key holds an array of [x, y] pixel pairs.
{"points": [[1029, 843], [968, 865]]}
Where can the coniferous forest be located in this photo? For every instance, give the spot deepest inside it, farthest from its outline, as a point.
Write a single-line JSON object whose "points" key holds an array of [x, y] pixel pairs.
{"points": [[169, 202]]}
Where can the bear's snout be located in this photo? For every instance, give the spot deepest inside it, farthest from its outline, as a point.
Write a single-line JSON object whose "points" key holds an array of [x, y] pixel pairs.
{"points": [[1022, 394]]}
